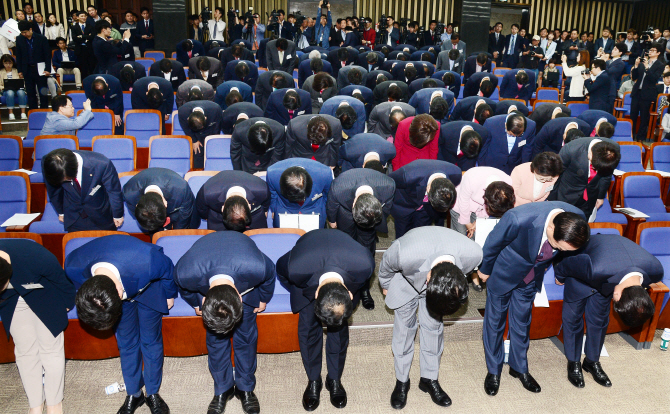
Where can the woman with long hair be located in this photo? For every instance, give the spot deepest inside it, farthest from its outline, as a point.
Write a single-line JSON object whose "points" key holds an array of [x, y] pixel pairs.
{"points": [[575, 74], [54, 30]]}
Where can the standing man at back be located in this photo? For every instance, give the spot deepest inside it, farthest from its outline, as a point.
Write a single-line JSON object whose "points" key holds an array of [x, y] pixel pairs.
{"points": [[33, 61]]}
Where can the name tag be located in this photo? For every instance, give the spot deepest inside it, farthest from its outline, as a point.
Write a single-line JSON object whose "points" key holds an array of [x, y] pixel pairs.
{"points": [[127, 56], [214, 75], [175, 78], [551, 187], [522, 143], [95, 190], [320, 100], [317, 196], [301, 112], [33, 286], [196, 54]]}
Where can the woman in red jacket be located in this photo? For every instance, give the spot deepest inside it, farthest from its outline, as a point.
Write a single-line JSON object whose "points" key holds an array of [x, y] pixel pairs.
{"points": [[416, 139]]}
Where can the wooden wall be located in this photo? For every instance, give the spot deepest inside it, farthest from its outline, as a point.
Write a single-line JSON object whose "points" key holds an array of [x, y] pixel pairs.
{"points": [[651, 13], [61, 8], [422, 11], [260, 6]]}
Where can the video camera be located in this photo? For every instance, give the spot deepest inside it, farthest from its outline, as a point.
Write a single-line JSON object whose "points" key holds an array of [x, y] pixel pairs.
{"points": [[206, 14], [383, 23], [645, 38], [324, 4], [232, 13]]}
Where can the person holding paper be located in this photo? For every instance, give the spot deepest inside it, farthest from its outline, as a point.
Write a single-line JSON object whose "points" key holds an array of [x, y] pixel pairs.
{"points": [[516, 254], [425, 269], [33, 61], [127, 285], [610, 267], [299, 186], [35, 296], [62, 121], [228, 280]]}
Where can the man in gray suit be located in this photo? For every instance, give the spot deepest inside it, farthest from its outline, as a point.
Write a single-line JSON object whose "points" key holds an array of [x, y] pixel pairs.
{"points": [[194, 90], [280, 55], [206, 68], [425, 269], [455, 43], [451, 60]]}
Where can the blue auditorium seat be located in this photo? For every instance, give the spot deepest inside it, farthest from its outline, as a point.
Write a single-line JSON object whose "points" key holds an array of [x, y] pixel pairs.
{"points": [[14, 196], [45, 146], [171, 152], [142, 125], [217, 153], [660, 156], [176, 126], [623, 131], [101, 124], [643, 193], [655, 241], [10, 152], [605, 214], [547, 94], [195, 180], [78, 99], [576, 108], [36, 119], [120, 149], [631, 157]]}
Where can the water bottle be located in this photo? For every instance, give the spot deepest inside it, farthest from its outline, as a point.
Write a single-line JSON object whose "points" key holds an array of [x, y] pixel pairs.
{"points": [[506, 350], [665, 339], [114, 388]]}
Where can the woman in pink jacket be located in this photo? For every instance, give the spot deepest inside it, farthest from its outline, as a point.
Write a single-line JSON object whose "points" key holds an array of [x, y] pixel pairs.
{"points": [[533, 181]]}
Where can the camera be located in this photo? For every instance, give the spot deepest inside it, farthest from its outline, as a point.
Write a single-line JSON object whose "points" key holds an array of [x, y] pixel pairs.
{"points": [[531, 53], [232, 13], [206, 14], [325, 3], [383, 23], [586, 72]]}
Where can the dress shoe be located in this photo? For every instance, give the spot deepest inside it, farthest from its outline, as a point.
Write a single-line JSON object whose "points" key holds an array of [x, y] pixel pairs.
{"points": [[131, 404], [491, 384], [477, 288], [249, 401], [575, 375], [436, 392], [527, 380], [312, 395], [218, 403], [399, 395], [157, 405], [595, 369], [366, 299], [338, 396]]}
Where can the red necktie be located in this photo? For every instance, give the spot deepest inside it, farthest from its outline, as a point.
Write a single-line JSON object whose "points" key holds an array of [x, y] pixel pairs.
{"points": [[592, 173], [190, 54], [290, 116], [593, 133], [300, 203], [425, 200], [167, 222], [76, 185], [344, 64], [146, 23], [546, 253]]}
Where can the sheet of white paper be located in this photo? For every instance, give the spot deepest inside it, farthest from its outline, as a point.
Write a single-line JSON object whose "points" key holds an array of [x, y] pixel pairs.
{"points": [[20, 220], [289, 221], [25, 171], [541, 300], [10, 29], [618, 172], [484, 227], [632, 212], [603, 352], [309, 222], [40, 67]]}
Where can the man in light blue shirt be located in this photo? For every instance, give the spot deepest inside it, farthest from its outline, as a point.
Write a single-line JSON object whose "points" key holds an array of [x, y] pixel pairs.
{"points": [[62, 120]]}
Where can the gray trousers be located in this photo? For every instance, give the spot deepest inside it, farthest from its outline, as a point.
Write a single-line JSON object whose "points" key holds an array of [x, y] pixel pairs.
{"points": [[455, 225], [431, 339]]}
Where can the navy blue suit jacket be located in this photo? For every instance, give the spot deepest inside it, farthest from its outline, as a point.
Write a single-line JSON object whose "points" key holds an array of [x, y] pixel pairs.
{"points": [[177, 76], [550, 138], [494, 153], [32, 263], [229, 117], [113, 99], [98, 177], [470, 67], [177, 193], [449, 143], [57, 58], [142, 31], [138, 68], [354, 150], [511, 249], [224, 89], [286, 30], [592, 116], [518, 46], [146, 272], [138, 97], [471, 87], [260, 53], [251, 79], [41, 52], [455, 87], [336, 64], [213, 115], [509, 88], [228, 253], [275, 108], [316, 253], [330, 106], [182, 55], [502, 107], [601, 265], [105, 52], [305, 71], [607, 47], [421, 101], [412, 179], [241, 155], [417, 84], [615, 71], [368, 96], [599, 92], [465, 108]]}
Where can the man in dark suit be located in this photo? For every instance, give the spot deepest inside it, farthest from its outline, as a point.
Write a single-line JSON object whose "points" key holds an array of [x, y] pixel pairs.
{"points": [[128, 72], [351, 75], [342, 57], [556, 133], [366, 151], [105, 92], [359, 204], [461, 142], [391, 91], [375, 77], [242, 71], [160, 199], [231, 92], [188, 49], [268, 81], [421, 83], [317, 137], [105, 51], [280, 55], [200, 119], [370, 60], [228, 280], [380, 121], [195, 90], [145, 31], [82, 34], [476, 64], [506, 106], [606, 43], [299, 186], [664, 88], [509, 87], [430, 37], [256, 144], [497, 43], [35, 296], [84, 189], [153, 92], [513, 48], [309, 67], [425, 192], [285, 28], [616, 67], [480, 84], [466, 109], [595, 118], [234, 200], [324, 273], [546, 112], [236, 113], [127, 285], [286, 104], [236, 52], [33, 51], [516, 254], [609, 267], [645, 74], [437, 102], [350, 111], [598, 84], [511, 142], [588, 166], [390, 36], [169, 69], [206, 68]]}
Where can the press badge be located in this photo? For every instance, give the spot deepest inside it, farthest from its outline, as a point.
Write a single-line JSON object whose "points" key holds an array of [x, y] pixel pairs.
{"points": [[522, 143], [95, 190], [33, 286]]}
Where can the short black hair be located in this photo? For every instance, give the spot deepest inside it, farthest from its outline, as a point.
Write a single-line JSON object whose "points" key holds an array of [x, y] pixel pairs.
{"points": [[547, 164], [429, 83], [367, 211], [454, 53], [516, 123], [187, 45], [347, 116], [446, 290], [155, 98], [195, 94], [605, 157], [295, 184], [573, 134], [394, 92], [471, 144], [355, 76], [439, 108], [196, 121], [102, 24], [25, 25], [316, 65], [5, 272], [606, 130], [60, 39], [482, 58], [375, 165], [410, 72], [282, 43], [59, 101], [599, 63], [342, 54], [333, 305], [521, 77], [395, 117], [442, 194], [59, 165], [127, 75], [151, 212], [448, 78], [319, 130], [165, 65], [498, 198], [260, 138], [203, 63], [622, 47], [572, 229], [372, 57], [98, 303], [222, 309], [487, 88], [291, 100], [99, 87], [236, 214], [482, 113], [242, 70], [233, 97], [635, 306]]}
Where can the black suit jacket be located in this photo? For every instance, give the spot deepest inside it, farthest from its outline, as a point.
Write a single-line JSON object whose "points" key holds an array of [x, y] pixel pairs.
{"points": [[240, 150], [213, 115], [470, 67], [82, 38], [299, 145], [215, 74], [411, 182], [233, 111], [105, 52], [337, 64], [138, 68], [41, 52], [496, 46], [646, 91], [139, 99], [143, 31], [380, 92], [264, 87], [449, 143], [550, 138], [465, 108], [177, 76], [599, 92], [543, 113], [227, 55]]}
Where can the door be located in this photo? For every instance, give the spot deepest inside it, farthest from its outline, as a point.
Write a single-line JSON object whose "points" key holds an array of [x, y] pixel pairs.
{"points": [[117, 8]]}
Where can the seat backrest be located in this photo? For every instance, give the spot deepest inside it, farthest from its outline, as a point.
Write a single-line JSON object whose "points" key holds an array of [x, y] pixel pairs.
{"points": [[146, 62], [605, 230], [576, 108], [217, 153], [547, 94], [10, 153], [75, 244], [655, 240], [631, 158], [101, 124], [275, 245], [36, 120], [119, 149], [143, 124], [46, 145], [627, 98], [496, 94], [78, 99], [196, 179], [660, 157], [127, 101], [643, 193], [623, 129], [539, 103], [175, 247], [176, 126], [156, 55], [173, 153], [15, 195]]}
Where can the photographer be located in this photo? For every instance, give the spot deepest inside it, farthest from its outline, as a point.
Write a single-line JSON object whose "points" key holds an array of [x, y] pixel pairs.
{"points": [[531, 57], [369, 35], [634, 49], [255, 30], [598, 85], [575, 74], [302, 32], [284, 28], [235, 25], [645, 74], [322, 27], [390, 35], [216, 26]]}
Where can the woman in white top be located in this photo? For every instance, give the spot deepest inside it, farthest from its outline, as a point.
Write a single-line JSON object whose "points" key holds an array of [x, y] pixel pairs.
{"points": [[54, 29], [575, 74]]}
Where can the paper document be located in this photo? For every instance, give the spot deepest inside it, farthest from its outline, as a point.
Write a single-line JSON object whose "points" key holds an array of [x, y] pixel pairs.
{"points": [[603, 352], [10, 29], [25, 171], [632, 212], [20, 220], [307, 222], [484, 227], [40, 68], [618, 172], [541, 300]]}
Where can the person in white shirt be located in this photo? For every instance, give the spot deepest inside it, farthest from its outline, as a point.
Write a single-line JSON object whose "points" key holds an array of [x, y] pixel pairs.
{"points": [[54, 29], [216, 25], [65, 53]]}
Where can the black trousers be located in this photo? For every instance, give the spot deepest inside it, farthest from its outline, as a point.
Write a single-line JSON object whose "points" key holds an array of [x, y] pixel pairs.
{"points": [[642, 107], [310, 338], [36, 84]]}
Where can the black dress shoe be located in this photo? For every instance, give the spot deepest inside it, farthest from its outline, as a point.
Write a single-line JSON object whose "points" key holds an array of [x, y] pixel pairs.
{"points": [[436, 392], [595, 369], [131, 404], [575, 375], [157, 405], [527, 380], [366, 299], [312, 395], [249, 401], [399, 395], [338, 396], [218, 403], [477, 288], [491, 384]]}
